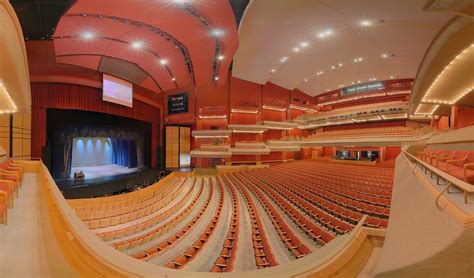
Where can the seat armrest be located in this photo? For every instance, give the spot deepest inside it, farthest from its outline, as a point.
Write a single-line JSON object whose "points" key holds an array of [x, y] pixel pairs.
{"points": [[9, 183], [4, 197], [468, 165], [452, 161]]}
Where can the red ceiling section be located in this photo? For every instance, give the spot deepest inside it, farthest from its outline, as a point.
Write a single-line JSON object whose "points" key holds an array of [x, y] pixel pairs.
{"points": [[175, 19], [86, 61]]}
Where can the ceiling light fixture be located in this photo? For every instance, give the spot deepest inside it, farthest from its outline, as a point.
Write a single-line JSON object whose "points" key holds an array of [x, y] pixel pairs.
{"points": [[365, 23], [216, 78], [137, 44], [304, 44], [357, 60], [296, 49], [163, 62], [88, 35], [284, 59], [173, 79], [217, 33], [220, 57], [325, 34], [6, 98], [273, 70]]}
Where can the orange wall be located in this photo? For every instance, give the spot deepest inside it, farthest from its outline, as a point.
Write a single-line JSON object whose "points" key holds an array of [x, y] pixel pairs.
{"points": [[465, 117], [392, 152]]}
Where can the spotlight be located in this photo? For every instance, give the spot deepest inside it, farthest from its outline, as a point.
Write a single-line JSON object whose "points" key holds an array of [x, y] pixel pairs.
{"points": [[296, 49], [304, 44], [88, 35], [220, 57], [173, 79], [366, 23], [137, 44], [217, 33], [273, 70], [163, 62], [216, 78]]}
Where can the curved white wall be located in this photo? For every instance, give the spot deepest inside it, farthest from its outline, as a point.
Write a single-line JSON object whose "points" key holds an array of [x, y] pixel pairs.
{"points": [[422, 240]]}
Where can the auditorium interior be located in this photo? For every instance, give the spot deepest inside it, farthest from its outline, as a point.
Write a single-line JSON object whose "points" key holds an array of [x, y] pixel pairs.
{"points": [[232, 138]]}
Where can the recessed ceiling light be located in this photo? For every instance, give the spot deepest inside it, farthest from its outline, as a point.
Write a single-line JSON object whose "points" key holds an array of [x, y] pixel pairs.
{"points": [[305, 80], [273, 70], [216, 78], [365, 23], [358, 81], [385, 55], [137, 44], [220, 57], [359, 59], [333, 67], [163, 62], [325, 33], [217, 33], [304, 44], [319, 72], [88, 35], [173, 79], [284, 59], [391, 77], [340, 64], [296, 49]]}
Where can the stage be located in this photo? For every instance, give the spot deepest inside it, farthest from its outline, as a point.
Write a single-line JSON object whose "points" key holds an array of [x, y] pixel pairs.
{"points": [[96, 172], [106, 180]]}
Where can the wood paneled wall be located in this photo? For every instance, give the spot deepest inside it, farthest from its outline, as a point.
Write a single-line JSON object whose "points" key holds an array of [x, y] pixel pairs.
{"points": [[18, 132]]}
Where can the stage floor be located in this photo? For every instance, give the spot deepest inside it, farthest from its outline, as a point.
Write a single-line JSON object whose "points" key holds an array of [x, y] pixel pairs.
{"points": [[95, 172]]}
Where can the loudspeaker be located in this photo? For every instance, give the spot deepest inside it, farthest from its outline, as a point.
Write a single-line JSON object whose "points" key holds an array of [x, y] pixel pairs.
{"points": [[47, 157], [160, 157]]}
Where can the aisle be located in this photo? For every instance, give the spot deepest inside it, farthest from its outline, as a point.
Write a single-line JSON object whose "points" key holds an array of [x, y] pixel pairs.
{"points": [[28, 248]]}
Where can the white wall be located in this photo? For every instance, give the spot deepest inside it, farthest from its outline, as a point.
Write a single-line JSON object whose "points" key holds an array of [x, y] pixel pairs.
{"points": [[91, 151]]}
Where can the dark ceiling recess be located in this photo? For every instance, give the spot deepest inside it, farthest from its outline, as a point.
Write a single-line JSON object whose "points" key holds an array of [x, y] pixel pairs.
{"points": [[38, 18], [239, 7]]}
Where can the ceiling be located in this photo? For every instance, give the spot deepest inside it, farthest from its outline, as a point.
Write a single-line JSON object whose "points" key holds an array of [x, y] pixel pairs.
{"points": [[15, 95], [330, 44], [180, 33]]}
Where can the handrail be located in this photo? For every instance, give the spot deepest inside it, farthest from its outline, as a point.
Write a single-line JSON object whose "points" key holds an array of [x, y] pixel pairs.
{"points": [[447, 177]]}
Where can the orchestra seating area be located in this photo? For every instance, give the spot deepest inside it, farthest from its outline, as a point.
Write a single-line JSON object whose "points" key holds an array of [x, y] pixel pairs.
{"points": [[244, 220], [11, 175]]}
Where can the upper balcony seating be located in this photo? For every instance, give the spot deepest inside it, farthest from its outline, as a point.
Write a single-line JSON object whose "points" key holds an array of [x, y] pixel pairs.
{"points": [[457, 163], [398, 131]]}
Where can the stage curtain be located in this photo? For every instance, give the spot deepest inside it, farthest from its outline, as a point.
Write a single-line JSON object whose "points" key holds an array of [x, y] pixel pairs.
{"points": [[124, 153], [132, 154]]}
